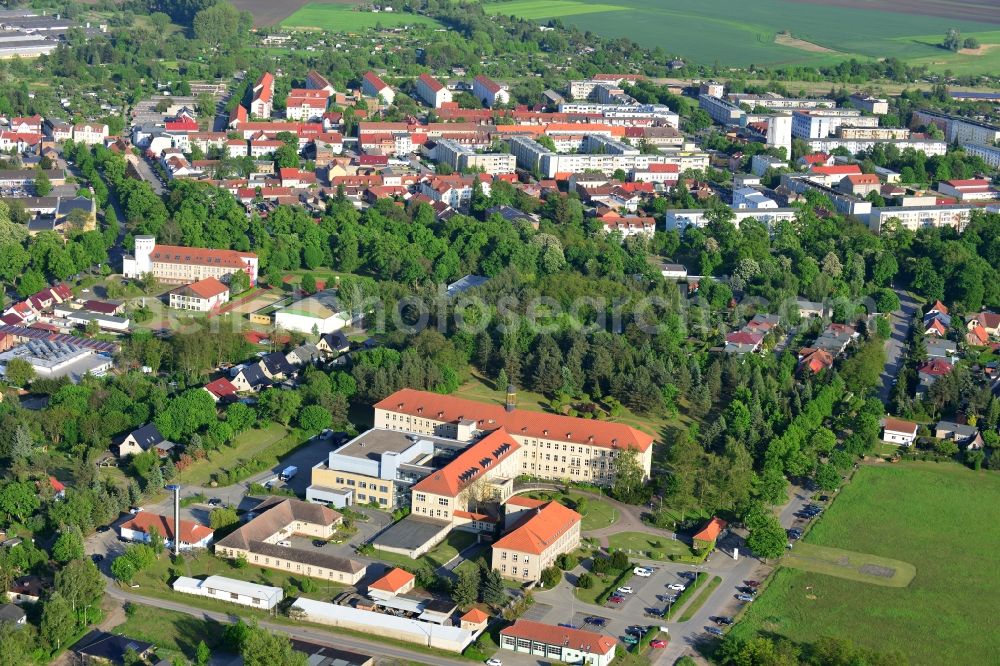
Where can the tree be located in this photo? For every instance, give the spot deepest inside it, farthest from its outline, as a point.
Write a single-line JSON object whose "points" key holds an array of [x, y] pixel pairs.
{"points": [[18, 500], [492, 590], [263, 648], [551, 576], [222, 517], [123, 569], [466, 588], [69, 545], [952, 40], [156, 541], [628, 476], [238, 283], [58, 622], [80, 583], [586, 581], [19, 373], [827, 477], [308, 283], [767, 537], [970, 43], [202, 655], [42, 183], [314, 418]]}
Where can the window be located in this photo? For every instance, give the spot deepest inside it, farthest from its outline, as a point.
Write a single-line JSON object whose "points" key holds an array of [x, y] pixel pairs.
{"points": [[503, 568], [524, 572], [503, 554], [384, 489], [350, 482], [421, 497], [526, 559], [443, 501], [514, 556], [382, 500], [362, 484], [233, 595]]}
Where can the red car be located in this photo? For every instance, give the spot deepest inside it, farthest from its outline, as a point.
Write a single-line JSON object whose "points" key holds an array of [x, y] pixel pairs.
{"points": [[616, 599], [752, 583], [658, 644]]}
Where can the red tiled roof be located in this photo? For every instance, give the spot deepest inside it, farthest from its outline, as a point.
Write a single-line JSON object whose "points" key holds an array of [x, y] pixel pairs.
{"points": [[711, 531], [373, 79], [936, 367], [968, 182], [207, 288], [744, 338], [988, 319], [453, 477], [191, 532], [536, 533], [520, 422], [938, 306], [526, 502], [221, 387], [863, 179], [431, 82], [266, 85], [816, 158], [475, 616], [56, 484], [978, 335], [175, 254], [393, 581], [489, 83], [899, 425], [574, 639]]}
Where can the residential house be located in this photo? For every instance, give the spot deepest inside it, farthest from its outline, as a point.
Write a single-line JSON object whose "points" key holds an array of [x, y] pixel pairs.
{"points": [[929, 372], [305, 354], [673, 271], [90, 134], [815, 360], [143, 439], [205, 295], [977, 335], [102, 647], [262, 103], [373, 86], [25, 590], [836, 338], [333, 344], [860, 184], [432, 91], [743, 342], [558, 643], [945, 349], [534, 543], [988, 321], [898, 431], [959, 433], [277, 367], [305, 104], [192, 534], [221, 390], [11, 614], [251, 378]]}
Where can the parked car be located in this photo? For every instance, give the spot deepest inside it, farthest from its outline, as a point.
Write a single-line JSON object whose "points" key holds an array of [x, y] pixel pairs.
{"points": [[752, 583], [658, 644], [715, 631], [642, 572], [629, 640], [494, 662], [96, 557], [134, 510], [676, 586], [744, 597], [625, 589], [615, 599], [635, 630], [102, 529], [723, 620], [215, 501], [596, 621]]}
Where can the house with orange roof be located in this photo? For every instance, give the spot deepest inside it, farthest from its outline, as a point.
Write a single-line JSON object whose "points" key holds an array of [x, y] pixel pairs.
{"points": [[709, 534], [535, 541], [202, 296], [263, 96], [475, 620], [395, 581], [815, 360], [139, 527], [988, 321]]}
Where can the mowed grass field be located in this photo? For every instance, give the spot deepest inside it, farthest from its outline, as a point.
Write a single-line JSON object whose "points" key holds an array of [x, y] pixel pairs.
{"points": [[346, 18], [732, 32], [941, 518]]}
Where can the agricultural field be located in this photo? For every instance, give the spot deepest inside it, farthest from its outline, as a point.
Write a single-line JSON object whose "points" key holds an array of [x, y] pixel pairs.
{"points": [[940, 519], [268, 12], [346, 18], [780, 32]]}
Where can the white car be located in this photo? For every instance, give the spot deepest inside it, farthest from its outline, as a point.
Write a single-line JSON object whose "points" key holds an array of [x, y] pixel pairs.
{"points": [[494, 662], [625, 589], [642, 572], [676, 586]]}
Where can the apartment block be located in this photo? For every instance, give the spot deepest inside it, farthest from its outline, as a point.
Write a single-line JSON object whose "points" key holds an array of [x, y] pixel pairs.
{"points": [[958, 129], [432, 91], [955, 216], [461, 157]]}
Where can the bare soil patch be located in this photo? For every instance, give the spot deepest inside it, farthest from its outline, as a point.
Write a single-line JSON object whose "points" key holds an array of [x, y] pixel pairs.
{"points": [[269, 12], [984, 11], [786, 39], [978, 51]]}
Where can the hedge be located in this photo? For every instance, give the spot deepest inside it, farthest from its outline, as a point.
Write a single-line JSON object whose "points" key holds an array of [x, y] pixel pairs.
{"points": [[684, 596]]}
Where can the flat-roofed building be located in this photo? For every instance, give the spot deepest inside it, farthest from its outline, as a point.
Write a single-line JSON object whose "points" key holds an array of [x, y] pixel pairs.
{"points": [[955, 216], [463, 158], [231, 590]]}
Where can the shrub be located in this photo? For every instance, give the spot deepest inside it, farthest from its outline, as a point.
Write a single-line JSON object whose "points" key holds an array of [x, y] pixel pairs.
{"points": [[586, 581], [551, 576], [566, 561]]}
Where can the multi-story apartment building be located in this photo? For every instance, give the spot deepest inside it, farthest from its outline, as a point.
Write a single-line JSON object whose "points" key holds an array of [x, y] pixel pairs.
{"points": [[432, 91], [461, 158], [721, 111], [537, 538], [658, 112], [989, 154], [820, 123], [869, 104], [875, 133], [489, 92], [775, 102], [551, 445], [90, 134], [305, 104], [373, 86], [262, 103], [682, 218], [957, 129], [747, 197], [615, 155], [180, 265], [915, 217], [929, 147]]}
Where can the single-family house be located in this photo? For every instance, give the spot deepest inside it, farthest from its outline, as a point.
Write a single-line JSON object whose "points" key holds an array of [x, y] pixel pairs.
{"points": [[743, 342], [960, 433], [945, 349], [221, 390], [988, 321], [137, 528], [929, 372], [304, 354], [143, 439], [11, 614], [25, 589], [396, 581], [251, 378], [815, 360], [333, 344], [102, 647], [898, 431]]}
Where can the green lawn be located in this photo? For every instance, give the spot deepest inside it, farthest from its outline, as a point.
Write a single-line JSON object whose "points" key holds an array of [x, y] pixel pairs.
{"points": [[730, 32], [651, 546], [174, 634], [271, 442], [596, 512], [439, 555], [940, 517], [341, 18], [861, 567]]}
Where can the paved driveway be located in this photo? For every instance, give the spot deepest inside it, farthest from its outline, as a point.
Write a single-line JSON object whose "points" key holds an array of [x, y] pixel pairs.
{"points": [[895, 346]]}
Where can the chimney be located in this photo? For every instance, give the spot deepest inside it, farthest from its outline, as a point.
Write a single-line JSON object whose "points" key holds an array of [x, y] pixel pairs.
{"points": [[511, 398], [176, 490]]}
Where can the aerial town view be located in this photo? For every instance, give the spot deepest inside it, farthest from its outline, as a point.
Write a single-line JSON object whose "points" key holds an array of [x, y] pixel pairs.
{"points": [[499, 333]]}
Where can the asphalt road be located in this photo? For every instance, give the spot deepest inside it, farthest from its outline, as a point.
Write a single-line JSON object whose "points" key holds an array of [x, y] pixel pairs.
{"points": [[895, 346]]}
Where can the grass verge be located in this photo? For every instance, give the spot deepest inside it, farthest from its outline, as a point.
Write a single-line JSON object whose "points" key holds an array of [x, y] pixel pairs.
{"points": [[700, 600], [686, 593]]}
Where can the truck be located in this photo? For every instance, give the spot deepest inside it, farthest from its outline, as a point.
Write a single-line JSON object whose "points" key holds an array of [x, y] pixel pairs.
{"points": [[288, 473]]}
